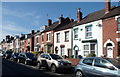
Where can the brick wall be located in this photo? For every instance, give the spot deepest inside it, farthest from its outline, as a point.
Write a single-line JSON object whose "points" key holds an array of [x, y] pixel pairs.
{"points": [[109, 32], [73, 61]]}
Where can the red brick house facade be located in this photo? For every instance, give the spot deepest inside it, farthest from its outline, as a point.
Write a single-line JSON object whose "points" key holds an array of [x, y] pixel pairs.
{"points": [[111, 32]]}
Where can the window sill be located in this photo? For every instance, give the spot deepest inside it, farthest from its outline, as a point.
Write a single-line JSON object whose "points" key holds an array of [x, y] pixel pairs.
{"points": [[76, 39], [117, 31], [88, 37], [57, 42], [66, 40]]}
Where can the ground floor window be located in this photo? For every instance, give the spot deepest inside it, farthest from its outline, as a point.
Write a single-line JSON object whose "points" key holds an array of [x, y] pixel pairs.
{"points": [[89, 48], [86, 50], [92, 48]]}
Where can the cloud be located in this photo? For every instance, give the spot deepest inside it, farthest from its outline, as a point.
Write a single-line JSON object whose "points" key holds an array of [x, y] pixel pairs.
{"points": [[13, 27], [16, 13], [37, 17]]}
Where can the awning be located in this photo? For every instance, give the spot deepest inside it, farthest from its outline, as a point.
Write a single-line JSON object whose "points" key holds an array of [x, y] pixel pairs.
{"points": [[91, 41]]}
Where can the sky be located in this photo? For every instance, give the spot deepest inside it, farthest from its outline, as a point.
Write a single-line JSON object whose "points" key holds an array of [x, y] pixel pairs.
{"points": [[22, 17]]}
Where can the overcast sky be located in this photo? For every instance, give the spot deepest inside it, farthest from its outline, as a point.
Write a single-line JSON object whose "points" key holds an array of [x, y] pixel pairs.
{"points": [[22, 17]]}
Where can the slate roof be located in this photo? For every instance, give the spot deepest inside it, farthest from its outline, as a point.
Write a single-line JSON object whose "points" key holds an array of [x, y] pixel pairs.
{"points": [[56, 24], [99, 15], [92, 17], [67, 26], [114, 12], [51, 27]]}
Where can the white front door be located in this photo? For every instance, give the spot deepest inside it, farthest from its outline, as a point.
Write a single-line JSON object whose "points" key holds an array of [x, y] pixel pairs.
{"points": [[110, 51]]}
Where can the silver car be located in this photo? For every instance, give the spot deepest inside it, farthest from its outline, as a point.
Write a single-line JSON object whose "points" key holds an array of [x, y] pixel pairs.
{"points": [[53, 62], [97, 66]]}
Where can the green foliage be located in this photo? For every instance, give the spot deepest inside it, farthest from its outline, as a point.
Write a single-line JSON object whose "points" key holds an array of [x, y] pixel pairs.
{"points": [[71, 56], [38, 52], [91, 55]]}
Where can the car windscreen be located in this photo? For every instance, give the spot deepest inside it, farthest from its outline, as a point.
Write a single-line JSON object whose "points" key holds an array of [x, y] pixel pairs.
{"points": [[16, 54], [9, 52], [30, 55], [115, 62], [54, 56]]}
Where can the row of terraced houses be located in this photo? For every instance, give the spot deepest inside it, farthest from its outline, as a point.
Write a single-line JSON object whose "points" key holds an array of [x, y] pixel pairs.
{"points": [[98, 32]]}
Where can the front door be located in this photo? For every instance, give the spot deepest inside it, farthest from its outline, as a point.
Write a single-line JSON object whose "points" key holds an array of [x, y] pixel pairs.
{"points": [[110, 51]]}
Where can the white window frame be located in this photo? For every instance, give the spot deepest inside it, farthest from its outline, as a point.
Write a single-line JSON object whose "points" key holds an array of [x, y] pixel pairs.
{"points": [[88, 33], [76, 33], [89, 48], [57, 37], [118, 23], [66, 36], [48, 36]]}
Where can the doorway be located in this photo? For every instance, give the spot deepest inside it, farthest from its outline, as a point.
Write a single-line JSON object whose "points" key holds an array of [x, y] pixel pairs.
{"points": [[109, 50]]}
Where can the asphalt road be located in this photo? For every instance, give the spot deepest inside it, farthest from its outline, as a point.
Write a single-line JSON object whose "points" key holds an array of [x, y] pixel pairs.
{"points": [[13, 69]]}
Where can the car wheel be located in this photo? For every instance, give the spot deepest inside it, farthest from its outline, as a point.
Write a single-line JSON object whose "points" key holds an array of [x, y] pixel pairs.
{"points": [[79, 74], [26, 62], [11, 59], [5, 57], [53, 68], [38, 65]]}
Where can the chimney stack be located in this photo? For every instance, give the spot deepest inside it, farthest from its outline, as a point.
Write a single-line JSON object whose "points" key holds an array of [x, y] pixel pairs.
{"points": [[61, 19], [107, 6], [72, 20], [79, 15], [32, 32], [49, 22]]}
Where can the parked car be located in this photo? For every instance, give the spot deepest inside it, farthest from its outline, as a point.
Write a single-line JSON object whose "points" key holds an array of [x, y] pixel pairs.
{"points": [[7, 54], [1, 53], [53, 62], [99, 67], [14, 56], [27, 58]]}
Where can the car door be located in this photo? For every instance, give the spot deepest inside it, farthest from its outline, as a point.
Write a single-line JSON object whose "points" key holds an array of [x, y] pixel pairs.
{"points": [[101, 68], [98, 68], [48, 60], [23, 57], [20, 57], [87, 66], [43, 60]]}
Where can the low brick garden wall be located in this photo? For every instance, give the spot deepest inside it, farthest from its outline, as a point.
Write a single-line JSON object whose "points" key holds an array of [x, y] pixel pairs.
{"points": [[74, 61]]}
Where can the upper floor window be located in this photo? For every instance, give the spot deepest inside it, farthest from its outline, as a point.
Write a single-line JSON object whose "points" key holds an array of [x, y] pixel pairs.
{"points": [[37, 39], [67, 36], [28, 41], [76, 33], [58, 37], [119, 24], [42, 37], [88, 31], [48, 37]]}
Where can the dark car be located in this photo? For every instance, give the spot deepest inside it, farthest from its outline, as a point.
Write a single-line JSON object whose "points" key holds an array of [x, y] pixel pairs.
{"points": [[27, 58], [7, 54], [14, 56]]}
